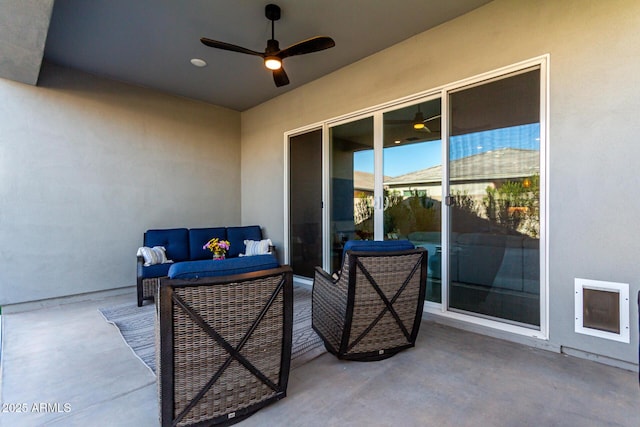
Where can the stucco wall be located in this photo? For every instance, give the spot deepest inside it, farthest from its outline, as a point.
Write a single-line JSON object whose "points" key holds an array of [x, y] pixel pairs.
{"points": [[88, 164], [23, 32], [593, 131]]}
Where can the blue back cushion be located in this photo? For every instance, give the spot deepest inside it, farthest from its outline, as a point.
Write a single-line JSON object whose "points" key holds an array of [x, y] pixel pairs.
{"points": [[237, 235], [174, 240], [199, 236]]}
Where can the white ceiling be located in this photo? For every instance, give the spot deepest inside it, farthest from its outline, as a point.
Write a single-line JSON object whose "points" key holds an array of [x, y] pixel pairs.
{"points": [[151, 42]]}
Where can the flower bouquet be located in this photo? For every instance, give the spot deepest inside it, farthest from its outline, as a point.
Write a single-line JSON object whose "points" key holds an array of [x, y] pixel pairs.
{"points": [[218, 247]]}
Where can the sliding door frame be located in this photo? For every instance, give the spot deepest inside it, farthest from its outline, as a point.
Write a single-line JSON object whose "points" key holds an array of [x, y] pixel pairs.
{"points": [[287, 194], [441, 309], [438, 309], [327, 202]]}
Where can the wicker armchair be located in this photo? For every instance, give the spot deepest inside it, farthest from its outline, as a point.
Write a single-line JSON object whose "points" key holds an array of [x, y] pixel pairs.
{"points": [[223, 346], [374, 308]]}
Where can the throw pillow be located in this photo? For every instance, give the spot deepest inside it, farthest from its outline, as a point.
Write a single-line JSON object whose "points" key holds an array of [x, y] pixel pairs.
{"points": [[154, 255], [257, 247]]}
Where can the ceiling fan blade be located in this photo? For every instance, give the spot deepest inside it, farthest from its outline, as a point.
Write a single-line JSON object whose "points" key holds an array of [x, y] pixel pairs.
{"points": [[311, 45], [280, 77], [228, 46]]}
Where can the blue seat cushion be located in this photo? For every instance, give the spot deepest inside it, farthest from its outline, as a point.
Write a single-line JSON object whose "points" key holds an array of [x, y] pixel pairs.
{"points": [[378, 245], [237, 235], [198, 237], [156, 270], [211, 268], [174, 240]]}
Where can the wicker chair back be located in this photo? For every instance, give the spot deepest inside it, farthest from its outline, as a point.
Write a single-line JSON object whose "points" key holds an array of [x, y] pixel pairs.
{"points": [[224, 346], [374, 308]]}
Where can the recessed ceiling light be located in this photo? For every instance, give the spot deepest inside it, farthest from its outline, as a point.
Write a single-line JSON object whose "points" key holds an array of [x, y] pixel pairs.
{"points": [[397, 141], [199, 62]]}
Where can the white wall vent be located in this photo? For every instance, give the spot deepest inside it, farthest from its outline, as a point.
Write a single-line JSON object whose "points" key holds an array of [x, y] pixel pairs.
{"points": [[602, 309]]}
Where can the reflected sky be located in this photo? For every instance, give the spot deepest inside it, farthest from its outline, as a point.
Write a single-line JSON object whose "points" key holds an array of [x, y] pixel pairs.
{"points": [[406, 158]]}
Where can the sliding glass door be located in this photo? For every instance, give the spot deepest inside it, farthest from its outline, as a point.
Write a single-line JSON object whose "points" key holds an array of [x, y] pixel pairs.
{"points": [[412, 181], [305, 202], [494, 198], [351, 185], [401, 200], [458, 171]]}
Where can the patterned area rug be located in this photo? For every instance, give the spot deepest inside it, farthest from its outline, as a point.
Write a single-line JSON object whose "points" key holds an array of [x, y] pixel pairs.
{"points": [[136, 325]]}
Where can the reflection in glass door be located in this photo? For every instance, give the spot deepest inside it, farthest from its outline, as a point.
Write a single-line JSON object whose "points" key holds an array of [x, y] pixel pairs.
{"points": [[412, 182], [351, 185], [494, 188]]}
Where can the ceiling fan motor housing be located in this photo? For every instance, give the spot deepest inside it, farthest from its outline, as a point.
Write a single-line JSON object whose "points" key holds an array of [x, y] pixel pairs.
{"points": [[272, 47]]}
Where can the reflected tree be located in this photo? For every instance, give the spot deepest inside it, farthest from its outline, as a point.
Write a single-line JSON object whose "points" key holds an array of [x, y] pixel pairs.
{"points": [[515, 205]]}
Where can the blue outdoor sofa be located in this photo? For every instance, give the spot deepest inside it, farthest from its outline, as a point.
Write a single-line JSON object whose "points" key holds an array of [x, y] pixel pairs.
{"points": [[189, 260]]}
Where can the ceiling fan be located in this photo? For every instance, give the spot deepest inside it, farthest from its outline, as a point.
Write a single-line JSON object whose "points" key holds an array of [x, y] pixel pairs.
{"points": [[273, 55], [418, 123]]}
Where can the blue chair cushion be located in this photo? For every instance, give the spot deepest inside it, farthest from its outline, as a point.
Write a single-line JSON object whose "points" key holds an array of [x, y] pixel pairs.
{"points": [[174, 240], [211, 268], [198, 237], [378, 245], [237, 235], [435, 265], [156, 270]]}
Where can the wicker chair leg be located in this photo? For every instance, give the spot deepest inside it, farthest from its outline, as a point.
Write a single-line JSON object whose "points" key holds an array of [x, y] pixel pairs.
{"points": [[139, 291]]}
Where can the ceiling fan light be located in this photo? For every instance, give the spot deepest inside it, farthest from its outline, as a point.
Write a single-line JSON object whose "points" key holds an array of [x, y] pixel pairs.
{"points": [[272, 62], [418, 121], [198, 62]]}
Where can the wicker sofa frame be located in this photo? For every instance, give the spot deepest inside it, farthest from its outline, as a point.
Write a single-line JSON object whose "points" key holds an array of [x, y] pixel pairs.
{"points": [[373, 309], [223, 346], [145, 288]]}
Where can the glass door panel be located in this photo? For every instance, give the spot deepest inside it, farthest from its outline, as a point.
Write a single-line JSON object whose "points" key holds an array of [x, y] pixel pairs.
{"points": [[305, 202], [494, 187], [351, 185], [412, 182]]}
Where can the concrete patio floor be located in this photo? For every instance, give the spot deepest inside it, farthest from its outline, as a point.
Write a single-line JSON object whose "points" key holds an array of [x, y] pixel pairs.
{"points": [[70, 359]]}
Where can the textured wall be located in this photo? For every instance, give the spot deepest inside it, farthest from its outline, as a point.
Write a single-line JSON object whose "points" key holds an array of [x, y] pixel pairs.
{"points": [[87, 165], [593, 142], [23, 32]]}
